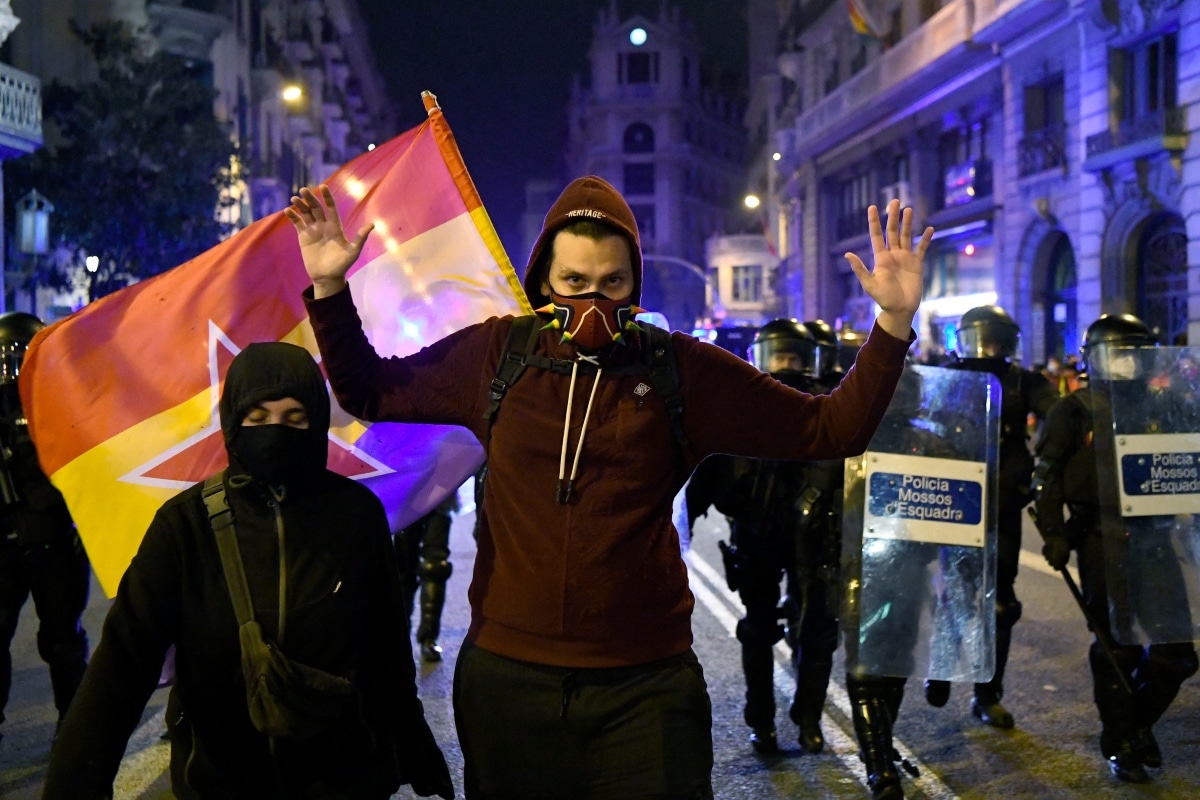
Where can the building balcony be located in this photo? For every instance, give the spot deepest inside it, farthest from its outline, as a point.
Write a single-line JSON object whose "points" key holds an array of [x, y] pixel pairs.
{"points": [[918, 63], [1042, 150], [1164, 130], [185, 32], [998, 21], [20, 112]]}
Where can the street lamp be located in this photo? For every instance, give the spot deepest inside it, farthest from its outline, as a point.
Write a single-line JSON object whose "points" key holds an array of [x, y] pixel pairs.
{"points": [[92, 263]]}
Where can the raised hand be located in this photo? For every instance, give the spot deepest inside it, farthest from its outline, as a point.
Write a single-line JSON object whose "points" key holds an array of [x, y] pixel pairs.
{"points": [[897, 281], [327, 253]]}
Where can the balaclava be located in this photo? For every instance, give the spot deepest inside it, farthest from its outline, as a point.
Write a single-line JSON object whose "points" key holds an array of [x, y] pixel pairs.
{"points": [[275, 454]]}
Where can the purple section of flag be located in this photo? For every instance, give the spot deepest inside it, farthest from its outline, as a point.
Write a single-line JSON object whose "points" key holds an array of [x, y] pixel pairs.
{"points": [[430, 463]]}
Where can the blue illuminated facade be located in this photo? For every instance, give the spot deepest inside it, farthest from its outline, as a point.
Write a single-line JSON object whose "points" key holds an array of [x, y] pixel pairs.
{"points": [[1047, 141]]}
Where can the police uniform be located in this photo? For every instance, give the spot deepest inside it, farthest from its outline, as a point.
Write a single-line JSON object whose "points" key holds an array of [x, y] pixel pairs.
{"points": [[40, 552], [987, 338], [423, 554], [1067, 477], [785, 523]]}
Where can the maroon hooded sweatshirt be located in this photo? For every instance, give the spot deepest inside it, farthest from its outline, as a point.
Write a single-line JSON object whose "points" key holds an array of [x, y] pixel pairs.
{"points": [[597, 581]]}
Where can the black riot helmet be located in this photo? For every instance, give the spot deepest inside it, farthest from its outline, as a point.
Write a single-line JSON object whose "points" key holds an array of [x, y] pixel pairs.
{"points": [[828, 346], [1114, 331], [16, 332], [987, 332], [784, 345]]}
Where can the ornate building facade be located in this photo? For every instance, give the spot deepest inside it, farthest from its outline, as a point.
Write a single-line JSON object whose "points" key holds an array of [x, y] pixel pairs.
{"points": [[1048, 141], [648, 120]]}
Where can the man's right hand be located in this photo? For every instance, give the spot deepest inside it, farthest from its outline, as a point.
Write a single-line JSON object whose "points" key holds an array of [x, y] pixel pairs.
{"points": [[327, 253], [1057, 551]]}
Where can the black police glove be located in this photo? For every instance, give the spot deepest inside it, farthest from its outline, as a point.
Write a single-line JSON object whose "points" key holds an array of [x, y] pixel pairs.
{"points": [[1057, 551]]}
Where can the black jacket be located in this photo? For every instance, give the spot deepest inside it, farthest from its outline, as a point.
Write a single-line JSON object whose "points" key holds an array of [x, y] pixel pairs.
{"points": [[345, 615], [1024, 392], [31, 509]]}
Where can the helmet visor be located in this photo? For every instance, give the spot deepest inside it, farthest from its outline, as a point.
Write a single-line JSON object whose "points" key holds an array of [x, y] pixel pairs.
{"points": [[987, 341], [779, 354]]}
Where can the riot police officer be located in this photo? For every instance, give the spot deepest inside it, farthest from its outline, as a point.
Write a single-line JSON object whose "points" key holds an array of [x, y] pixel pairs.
{"points": [[1067, 477], [40, 552], [988, 339], [784, 523], [423, 555]]}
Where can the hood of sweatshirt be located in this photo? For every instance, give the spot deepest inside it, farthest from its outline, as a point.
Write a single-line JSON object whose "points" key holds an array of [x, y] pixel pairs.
{"points": [[590, 197]]}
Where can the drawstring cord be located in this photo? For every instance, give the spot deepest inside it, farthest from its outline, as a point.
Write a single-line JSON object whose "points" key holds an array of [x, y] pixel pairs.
{"points": [[565, 486]]}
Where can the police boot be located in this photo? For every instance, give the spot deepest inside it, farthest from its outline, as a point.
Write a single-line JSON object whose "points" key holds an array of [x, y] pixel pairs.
{"points": [[1158, 678], [1151, 754], [1124, 755], [433, 598], [763, 740], [758, 668], [986, 703], [812, 681], [986, 706], [873, 728], [1119, 739]]}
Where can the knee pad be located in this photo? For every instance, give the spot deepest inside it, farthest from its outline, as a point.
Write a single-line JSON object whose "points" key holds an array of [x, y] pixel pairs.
{"points": [[748, 632], [1177, 662], [436, 570], [863, 687], [1007, 614], [1128, 659], [64, 647]]}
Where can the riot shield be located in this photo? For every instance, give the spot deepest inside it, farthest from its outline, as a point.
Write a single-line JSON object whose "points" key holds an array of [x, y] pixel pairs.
{"points": [[1147, 439], [919, 532]]}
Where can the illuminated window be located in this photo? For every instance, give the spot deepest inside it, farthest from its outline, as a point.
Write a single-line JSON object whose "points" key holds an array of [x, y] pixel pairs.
{"points": [[747, 283]]}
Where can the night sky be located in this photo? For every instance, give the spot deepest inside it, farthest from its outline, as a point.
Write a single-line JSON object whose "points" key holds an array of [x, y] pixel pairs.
{"points": [[502, 71]]}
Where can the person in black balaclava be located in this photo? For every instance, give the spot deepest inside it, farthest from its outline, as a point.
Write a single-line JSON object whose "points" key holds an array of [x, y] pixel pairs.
{"points": [[323, 585]]}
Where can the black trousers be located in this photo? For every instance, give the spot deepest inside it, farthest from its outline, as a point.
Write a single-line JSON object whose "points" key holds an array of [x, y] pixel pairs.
{"points": [[58, 576], [537, 732]]}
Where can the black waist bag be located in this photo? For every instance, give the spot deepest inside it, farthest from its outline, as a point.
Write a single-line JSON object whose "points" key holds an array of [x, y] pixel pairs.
{"points": [[286, 699]]}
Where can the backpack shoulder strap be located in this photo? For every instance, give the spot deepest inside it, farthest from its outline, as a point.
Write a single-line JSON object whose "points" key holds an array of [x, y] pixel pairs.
{"points": [[518, 346], [220, 517], [664, 375]]}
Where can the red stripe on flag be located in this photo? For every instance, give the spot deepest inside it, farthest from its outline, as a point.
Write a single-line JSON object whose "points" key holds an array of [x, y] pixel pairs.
{"points": [[144, 349]]}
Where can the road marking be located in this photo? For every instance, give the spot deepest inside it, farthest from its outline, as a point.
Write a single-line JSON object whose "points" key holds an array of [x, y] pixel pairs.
{"points": [[149, 756], [719, 600]]}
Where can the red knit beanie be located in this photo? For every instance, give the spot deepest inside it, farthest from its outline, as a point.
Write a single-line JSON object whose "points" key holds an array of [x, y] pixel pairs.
{"points": [[589, 197]]}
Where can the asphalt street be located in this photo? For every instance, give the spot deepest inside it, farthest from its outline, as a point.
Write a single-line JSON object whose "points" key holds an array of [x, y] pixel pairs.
{"points": [[1052, 753]]}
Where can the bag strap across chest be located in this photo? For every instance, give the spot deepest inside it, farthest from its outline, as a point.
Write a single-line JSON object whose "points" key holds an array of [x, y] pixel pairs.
{"points": [[220, 517], [658, 366]]}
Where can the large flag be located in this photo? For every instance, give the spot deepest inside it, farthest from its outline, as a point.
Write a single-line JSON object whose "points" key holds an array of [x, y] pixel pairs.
{"points": [[122, 396]]}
